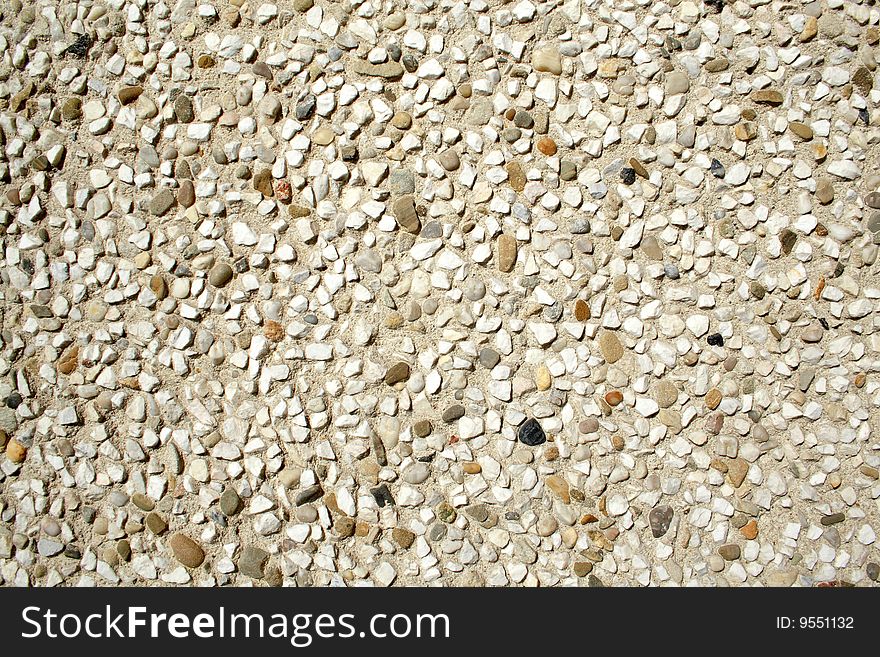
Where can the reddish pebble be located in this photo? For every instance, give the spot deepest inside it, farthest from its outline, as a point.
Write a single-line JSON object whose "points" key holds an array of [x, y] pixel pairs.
{"points": [[547, 146], [614, 397], [714, 423], [282, 191]]}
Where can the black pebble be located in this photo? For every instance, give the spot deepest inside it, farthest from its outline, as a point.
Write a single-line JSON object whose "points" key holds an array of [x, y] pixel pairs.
{"points": [[824, 323], [628, 175], [80, 47], [715, 340], [382, 495], [863, 115], [716, 168], [13, 400], [531, 433]]}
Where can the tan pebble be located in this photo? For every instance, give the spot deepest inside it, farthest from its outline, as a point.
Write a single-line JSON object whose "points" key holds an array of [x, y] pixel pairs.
{"points": [[507, 251], [617, 442], [547, 60], [718, 464], [543, 380], [639, 168], [186, 550], [737, 469], [582, 568], [142, 260], [581, 310], [323, 136], [608, 68], [802, 130], [745, 131], [811, 28], [768, 97], [516, 177], [15, 451], [273, 330], [159, 286], [559, 487], [868, 471], [600, 540], [403, 537], [713, 398], [860, 379], [68, 362], [610, 347], [587, 518], [472, 467]]}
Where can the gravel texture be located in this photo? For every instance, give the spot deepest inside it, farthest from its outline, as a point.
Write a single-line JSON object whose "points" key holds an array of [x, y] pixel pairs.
{"points": [[419, 292]]}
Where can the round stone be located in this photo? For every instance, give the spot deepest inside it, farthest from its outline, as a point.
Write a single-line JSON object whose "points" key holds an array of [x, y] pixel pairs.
{"points": [[530, 433], [220, 275], [186, 550]]}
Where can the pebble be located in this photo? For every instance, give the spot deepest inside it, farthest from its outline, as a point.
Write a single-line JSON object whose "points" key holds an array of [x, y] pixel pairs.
{"points": [[252, 562], [405, 214], [452, 413], [802, 130], [489, 358], [230, 502], [186, 550], [768, 97], [516, 176], [660, 519], [507, 252], [824, 190], [15, 451], [547, 146], [403, 537], [730, 552], [220, 275], [397, 373], [530, 433], [610, 346], [547, 60], [162, 202]]}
